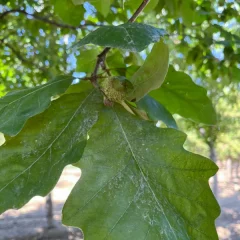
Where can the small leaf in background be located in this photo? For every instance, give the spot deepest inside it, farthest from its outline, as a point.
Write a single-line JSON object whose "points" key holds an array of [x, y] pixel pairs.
{"points": [[68, 12], [160, 6], [86, 61], [230, 37], [172, 7], [179, 94], [234, 74], [134, 4], [78, 2], [82, 86], [152, 73], [134, 58], [31, 162], [144, 185], [102, 6], [115, 63], [189, 13], [115, 60], [156, 111], [129, 36], [18, 106]]}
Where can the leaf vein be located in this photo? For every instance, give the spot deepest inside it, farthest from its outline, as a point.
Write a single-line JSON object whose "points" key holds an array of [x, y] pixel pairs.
{"points": [[49, 147]]}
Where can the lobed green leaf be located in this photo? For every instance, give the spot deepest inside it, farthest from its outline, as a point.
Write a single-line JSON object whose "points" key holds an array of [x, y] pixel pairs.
{"points": [[139, 183], [179, 94], [31, 162]]}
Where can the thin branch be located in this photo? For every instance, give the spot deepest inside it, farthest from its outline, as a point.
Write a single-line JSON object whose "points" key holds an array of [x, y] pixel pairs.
{"points": [[139, 10], [101, 59], [102, 56], [90, 78], [14, 51], [46, 20], [17, 53], [105, 69], [26, 62]]}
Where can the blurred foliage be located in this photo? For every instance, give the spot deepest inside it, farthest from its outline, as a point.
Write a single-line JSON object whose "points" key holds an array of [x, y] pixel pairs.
{"points": [[204, 39], [225, 136]]}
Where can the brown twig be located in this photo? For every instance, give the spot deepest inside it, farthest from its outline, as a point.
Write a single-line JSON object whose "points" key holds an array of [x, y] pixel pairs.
{"points": [[90, 78], [139, 10], [102, 56], [46, 20]]}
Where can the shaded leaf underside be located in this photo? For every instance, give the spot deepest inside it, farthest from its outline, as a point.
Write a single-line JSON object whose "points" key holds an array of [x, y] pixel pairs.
{"points": [[156, 111], [139, 183]]}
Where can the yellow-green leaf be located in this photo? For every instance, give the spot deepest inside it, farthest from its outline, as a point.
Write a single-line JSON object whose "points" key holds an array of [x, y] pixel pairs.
{"points": [[152, 73]]}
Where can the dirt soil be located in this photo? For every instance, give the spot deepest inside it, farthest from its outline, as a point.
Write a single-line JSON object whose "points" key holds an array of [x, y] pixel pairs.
{"points": [[228, 223], [29, 223]]}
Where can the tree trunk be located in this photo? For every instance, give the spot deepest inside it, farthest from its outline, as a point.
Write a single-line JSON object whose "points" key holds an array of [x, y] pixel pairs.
{"points": [[237, 169], [213, 156], [229, 169], [49, 211]]}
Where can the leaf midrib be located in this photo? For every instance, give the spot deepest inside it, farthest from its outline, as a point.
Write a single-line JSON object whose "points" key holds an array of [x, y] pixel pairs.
{"points": [[142, 173], [149, 185]]}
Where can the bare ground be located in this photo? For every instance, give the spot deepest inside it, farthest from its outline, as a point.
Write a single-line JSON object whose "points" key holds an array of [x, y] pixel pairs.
{"points": [[29, 223]]}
